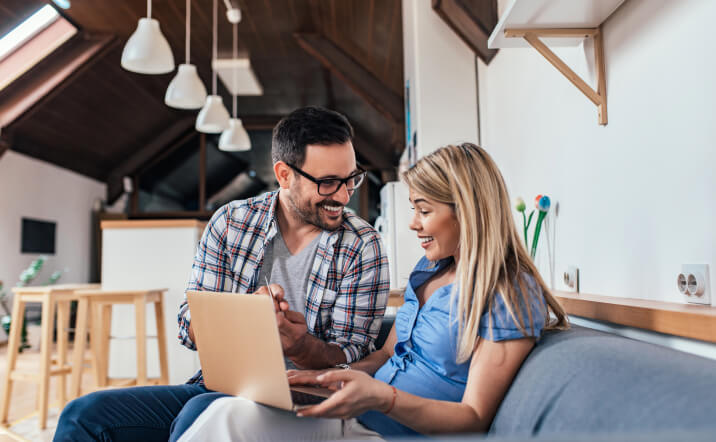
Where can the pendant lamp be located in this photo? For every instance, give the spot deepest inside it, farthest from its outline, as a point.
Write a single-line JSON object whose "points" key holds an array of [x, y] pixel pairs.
{"points": [[213, 117], [147, 51], [235, 138], [186, 90]]}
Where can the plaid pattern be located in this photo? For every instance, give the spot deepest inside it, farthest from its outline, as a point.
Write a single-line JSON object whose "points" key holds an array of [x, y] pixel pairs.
{"points": [[348, 284]]}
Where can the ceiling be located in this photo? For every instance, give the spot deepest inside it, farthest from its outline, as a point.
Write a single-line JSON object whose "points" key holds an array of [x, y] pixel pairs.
{"points": [[106, 123]]}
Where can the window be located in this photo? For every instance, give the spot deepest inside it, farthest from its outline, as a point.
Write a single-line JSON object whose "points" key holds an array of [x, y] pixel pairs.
{"points": [[31, 41]]}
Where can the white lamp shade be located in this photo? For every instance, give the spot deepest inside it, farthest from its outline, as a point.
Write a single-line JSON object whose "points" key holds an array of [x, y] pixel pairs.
{"points": [[186, 91], [235, 138], [147, 51], [213, 118]]}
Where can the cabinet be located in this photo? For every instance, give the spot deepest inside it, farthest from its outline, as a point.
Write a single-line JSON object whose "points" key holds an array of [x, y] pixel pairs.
{"points": [[141, 254]]}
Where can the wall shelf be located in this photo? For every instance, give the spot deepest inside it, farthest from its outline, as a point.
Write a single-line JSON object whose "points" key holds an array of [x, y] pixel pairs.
{"points": [[544, 23], [671, 318], [686, 320]]}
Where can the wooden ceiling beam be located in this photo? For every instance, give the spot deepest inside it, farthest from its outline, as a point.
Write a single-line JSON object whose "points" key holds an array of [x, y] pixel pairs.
{"points": [[22, 98], [358, 78], [166, 152], [474, 30], [377, 155], [134, 163]]}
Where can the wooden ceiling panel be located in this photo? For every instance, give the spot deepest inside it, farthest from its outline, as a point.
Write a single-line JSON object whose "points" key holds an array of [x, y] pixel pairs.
{"points": [[107, 115], [59, 154]]}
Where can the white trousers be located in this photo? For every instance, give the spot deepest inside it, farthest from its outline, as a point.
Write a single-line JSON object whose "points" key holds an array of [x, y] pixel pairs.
{"points": [[234, 418]]}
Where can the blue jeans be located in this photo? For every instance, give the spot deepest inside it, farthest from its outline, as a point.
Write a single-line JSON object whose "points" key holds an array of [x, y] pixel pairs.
{"points": [[158, 413]]}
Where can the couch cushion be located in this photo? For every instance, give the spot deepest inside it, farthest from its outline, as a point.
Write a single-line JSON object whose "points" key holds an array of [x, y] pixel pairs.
{"points": [[586, 381]]}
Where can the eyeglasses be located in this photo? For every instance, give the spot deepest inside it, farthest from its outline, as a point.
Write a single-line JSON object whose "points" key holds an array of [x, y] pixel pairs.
{"points": [[329, 186]]}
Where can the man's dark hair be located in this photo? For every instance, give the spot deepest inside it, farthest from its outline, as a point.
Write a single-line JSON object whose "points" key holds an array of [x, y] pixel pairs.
{"points": [[304, 126]]}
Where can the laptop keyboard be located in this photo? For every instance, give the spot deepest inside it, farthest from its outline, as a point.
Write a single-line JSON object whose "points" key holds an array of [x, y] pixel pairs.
{"points": [[301, 398]]}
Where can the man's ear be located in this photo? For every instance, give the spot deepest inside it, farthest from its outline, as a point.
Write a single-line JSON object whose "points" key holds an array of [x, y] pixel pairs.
{"points": [[283, 173]]}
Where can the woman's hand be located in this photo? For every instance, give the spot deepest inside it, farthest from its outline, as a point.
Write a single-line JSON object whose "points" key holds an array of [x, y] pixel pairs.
{"points": [[309, 377], [359, 393]]}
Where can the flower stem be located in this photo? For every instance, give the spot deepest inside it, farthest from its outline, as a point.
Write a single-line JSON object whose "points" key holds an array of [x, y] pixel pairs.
{"points": [[538, 228]]}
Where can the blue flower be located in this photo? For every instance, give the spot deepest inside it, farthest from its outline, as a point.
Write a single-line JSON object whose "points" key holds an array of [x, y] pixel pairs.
{"points": [[542, 202]]}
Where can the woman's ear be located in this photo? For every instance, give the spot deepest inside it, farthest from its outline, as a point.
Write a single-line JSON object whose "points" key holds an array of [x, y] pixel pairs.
{"points": [[283, 174]]}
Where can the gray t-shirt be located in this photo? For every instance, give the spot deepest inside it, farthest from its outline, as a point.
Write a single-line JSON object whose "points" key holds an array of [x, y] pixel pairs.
{"points": [[289, 271]]}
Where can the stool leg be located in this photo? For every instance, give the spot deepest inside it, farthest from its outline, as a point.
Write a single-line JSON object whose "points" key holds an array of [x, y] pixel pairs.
{"points": [[13, 347], [140, 313], [63, 323], [78, 354], [96, 342], [161, 341], [106, 327], [48, 319]]}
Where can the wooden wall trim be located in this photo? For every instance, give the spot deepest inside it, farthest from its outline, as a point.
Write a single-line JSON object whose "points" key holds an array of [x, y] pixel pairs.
{"points": [[151, 223], [671, 318], [685, 320]]}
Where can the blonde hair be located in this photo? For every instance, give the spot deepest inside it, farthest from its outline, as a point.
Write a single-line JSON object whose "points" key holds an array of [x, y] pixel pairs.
{"points": [[491, 255]]}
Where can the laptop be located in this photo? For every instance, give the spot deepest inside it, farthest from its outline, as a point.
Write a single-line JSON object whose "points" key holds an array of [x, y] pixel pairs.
{"points": [[240, 350]]}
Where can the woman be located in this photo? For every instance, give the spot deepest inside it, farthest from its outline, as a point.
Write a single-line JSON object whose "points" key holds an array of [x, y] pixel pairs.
{"points": [[474, 308]]}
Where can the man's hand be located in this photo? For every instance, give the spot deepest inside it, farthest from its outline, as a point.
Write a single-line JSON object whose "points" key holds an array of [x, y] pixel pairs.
{"points": [[279, 302], [293, 331], [305, 350]]}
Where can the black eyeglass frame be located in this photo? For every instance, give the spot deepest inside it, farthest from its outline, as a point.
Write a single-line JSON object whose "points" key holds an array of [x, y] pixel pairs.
{"points": [[362, 172]]}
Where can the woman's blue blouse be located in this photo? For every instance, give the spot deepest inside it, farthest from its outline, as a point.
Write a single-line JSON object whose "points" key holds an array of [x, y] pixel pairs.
{"points": [[424, 360]]}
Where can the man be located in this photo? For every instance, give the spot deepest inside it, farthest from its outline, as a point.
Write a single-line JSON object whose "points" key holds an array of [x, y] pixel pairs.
{"points": [[327, 268]]}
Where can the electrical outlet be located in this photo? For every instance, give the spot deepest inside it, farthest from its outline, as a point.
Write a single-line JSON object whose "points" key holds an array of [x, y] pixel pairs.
{"points": [[694, 283], [571, 279]]}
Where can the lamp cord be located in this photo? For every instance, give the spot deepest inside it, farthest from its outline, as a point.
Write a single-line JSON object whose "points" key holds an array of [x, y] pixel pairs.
{"points": [[188, 30], [214, 50], [149, 8], [236, 55]]}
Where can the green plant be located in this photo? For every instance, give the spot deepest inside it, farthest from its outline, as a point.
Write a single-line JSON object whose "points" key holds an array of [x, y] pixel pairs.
{"points": [[5, 319], [542, 205], [26, 277]]}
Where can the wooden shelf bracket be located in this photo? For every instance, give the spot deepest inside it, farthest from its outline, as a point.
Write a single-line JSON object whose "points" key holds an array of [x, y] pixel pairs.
{"points": [[598, 97]]}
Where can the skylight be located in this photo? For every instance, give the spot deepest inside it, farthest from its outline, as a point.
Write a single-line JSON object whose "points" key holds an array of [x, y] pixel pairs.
{"points": [[38, 21], [31, 41]]}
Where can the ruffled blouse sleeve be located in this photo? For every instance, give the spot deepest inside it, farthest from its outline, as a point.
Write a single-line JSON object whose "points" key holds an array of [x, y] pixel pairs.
{"points": [[499, 324]]}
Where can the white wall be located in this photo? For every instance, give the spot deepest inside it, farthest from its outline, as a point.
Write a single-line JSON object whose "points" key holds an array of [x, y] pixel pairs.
{"points": [[35, 189], [441, 72], [637, 196]]}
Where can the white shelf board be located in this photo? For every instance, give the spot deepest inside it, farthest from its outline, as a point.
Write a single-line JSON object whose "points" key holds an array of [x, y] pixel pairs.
{"points": [[521, 14]]}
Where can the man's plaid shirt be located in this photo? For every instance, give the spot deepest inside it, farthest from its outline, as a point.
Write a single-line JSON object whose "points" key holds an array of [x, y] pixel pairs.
{"points": [[347, 288]]}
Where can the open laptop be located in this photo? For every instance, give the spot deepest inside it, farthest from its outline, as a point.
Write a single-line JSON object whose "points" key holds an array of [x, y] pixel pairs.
{"points": [[240, 350]]}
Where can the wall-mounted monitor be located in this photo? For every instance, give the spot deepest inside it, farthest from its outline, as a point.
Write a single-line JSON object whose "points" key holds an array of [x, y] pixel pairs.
{"points": [[38, 236]]}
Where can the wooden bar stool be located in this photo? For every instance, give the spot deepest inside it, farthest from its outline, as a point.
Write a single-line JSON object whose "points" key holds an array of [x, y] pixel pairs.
{"points": [[98, 303], [54, 298]]}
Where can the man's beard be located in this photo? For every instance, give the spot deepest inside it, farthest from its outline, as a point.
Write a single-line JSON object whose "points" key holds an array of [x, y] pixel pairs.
{"points": [[310, 214]]}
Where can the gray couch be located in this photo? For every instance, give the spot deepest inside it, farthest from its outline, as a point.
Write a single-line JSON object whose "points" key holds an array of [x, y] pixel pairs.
{"points": [[583, 384]]}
